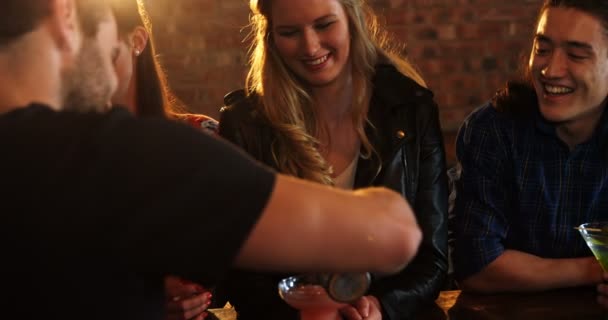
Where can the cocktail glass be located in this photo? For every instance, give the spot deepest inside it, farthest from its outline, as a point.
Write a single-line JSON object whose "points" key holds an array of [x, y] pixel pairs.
{"points": [[310, 299], [596, 236]]}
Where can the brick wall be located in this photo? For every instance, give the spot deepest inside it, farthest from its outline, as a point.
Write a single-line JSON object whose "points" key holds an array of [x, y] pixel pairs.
{"points": [[465, 49]]}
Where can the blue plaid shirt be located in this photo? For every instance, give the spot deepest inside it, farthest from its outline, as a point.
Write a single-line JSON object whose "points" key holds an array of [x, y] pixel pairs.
{"points": [[521, 188]]}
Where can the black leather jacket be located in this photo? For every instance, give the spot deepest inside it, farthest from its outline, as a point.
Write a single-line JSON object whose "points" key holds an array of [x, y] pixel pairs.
{"points": [[407, 137]]}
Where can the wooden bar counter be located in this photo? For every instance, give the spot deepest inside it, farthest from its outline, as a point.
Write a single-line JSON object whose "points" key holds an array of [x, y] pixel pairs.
{"points": [[576, 304]]}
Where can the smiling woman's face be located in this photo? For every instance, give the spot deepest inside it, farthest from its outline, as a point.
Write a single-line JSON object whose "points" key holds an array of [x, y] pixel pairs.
{"points": [[312, 38]]}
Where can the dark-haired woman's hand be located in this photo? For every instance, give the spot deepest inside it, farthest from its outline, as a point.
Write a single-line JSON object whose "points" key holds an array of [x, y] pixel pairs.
{"points": [[185, 300]]}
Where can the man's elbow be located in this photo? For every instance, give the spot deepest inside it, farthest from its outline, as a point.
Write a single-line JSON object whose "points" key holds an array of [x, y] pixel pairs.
{"points": [[476, 284], [397, 234], [404, 249], [413, 238]]}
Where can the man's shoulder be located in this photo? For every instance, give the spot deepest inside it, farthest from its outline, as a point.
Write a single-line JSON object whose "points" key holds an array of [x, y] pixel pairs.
{"points": [[27, 121], [23, 113], [36, 125], [39, 114], [487, 125], [515, 104], [490, 117], [484, 115]]}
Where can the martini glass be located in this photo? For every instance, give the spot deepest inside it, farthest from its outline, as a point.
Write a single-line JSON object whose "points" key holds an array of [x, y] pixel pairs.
{"points": [[596, 237], [320, 296]]}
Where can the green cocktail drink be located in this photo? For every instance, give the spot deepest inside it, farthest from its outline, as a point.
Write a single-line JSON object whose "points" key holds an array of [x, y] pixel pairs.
{"points": [[596, 237]]}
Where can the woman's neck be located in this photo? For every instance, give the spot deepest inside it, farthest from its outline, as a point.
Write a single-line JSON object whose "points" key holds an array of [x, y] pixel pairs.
{"points": [[333, 102]]}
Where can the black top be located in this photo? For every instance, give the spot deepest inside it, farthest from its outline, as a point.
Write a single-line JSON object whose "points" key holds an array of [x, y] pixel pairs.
{"points": [[96, 209], [409, 159]]}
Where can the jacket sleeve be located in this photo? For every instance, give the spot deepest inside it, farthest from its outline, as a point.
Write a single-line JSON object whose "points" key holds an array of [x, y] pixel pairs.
{"points": [[230, 119], [241, 125], [420, 282], [228, 128]]}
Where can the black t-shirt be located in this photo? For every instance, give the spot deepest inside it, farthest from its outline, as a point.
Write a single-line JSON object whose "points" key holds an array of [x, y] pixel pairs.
{"points": [[96, 209]]}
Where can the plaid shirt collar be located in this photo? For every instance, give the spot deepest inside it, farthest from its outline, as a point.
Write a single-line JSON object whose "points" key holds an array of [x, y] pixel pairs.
{"points": [[600, 135]]}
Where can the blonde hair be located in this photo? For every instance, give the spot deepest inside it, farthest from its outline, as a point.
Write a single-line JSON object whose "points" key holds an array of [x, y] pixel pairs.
{"points": [[286, 103]]}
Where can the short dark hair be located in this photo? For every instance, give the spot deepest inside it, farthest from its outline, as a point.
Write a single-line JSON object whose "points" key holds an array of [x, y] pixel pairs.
{"points": [[18, 17], [518, 97], [596, 8]]}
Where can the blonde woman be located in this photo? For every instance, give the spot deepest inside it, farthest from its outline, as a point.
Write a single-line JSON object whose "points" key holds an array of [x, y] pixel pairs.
{"points": [[327, 100]]}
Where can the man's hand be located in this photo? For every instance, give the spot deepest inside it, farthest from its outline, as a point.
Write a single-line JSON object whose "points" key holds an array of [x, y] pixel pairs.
{"points": [[602, 290]]}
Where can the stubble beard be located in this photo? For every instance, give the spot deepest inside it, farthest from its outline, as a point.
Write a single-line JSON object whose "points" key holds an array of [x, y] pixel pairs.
{"points": [[87, 88]]}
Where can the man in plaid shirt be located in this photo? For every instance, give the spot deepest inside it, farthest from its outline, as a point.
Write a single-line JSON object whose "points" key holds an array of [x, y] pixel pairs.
{"points": [[535, 162]]}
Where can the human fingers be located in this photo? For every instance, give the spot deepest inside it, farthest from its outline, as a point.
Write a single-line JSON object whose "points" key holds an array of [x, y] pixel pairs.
{"points": [[189, 307], [350, 313], [201, 316], [362, 305], [182, 288]]}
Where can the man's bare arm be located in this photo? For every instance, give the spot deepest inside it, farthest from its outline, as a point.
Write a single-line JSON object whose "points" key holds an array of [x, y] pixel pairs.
{"points": [[311, 227], [520, 271]]}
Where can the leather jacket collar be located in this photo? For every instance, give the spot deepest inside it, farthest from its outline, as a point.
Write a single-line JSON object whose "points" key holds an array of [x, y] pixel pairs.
{"points": [[389, 110]]}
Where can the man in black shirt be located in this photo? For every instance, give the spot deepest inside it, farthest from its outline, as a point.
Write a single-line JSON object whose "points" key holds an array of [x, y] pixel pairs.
{"points": [[97, 207]]}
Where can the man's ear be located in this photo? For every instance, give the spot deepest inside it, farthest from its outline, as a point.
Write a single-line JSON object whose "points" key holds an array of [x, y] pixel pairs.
{"points": [[65, 26], [139, 40]]}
